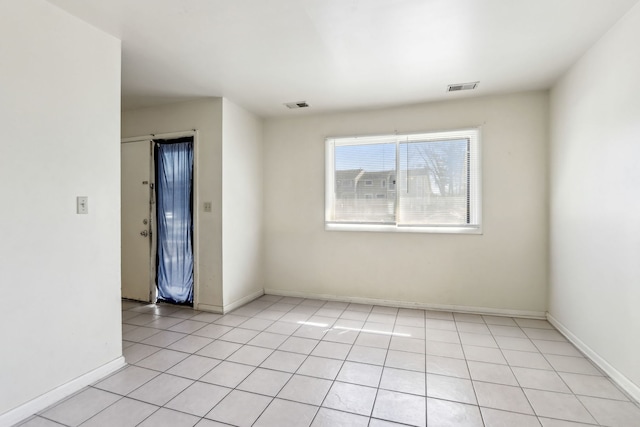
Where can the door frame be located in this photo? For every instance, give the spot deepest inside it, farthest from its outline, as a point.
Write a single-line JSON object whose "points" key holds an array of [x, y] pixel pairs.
{"points": [[194, 209]]}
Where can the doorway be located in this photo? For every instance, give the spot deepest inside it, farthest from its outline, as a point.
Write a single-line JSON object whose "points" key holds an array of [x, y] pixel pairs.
{"points": [[158, 218], [174, 219]]}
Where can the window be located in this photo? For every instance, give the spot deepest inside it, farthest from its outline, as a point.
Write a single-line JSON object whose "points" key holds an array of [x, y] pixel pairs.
{"points": [[433, 182]]}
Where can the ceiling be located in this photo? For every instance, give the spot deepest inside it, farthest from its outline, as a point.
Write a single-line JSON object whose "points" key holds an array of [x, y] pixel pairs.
{"points": [[342, 54]]}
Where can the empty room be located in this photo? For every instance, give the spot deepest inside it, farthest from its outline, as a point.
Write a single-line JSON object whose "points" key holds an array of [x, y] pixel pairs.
{"points": [[320, 213]]}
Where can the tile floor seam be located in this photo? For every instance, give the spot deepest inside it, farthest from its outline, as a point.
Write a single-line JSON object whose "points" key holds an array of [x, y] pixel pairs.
{"points": [[466, 361], [333, 381], [519, 382], [388, 348], [102, 410], [148, 416], [514, 374], [54, 421], [293, 374], [474, 335], [545, 357], [234, 388], [122, 370], [384, 364], [255, 368]]}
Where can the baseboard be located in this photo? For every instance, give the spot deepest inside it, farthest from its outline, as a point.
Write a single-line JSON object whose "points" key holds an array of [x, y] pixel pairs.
{"points": [[411, 304], [223, 309], [36, 405], [243, 301], [209, 308], [622, 381]]}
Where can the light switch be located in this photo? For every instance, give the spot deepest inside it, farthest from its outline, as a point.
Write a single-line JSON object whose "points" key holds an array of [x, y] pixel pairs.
{"points": [[82, 205], [207, 206]]}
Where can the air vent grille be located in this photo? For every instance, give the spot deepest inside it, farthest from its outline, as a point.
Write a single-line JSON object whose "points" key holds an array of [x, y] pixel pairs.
{"points": [[294, 105], [462, 86]]}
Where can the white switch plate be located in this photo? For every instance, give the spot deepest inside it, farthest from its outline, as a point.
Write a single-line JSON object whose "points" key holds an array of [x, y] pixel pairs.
{"points": [[82, 205], [207, 206]]}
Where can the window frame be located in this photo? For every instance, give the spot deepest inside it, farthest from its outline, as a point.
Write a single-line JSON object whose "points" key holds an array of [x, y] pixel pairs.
{"points": [[474, 179]]}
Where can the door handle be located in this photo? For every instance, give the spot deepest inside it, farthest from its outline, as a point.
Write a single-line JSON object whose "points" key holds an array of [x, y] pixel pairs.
{"points": [[144, 233]]}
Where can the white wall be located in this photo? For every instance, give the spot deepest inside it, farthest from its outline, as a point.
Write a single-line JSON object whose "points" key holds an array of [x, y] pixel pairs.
{"points": [[60, 280], [242, 197], [205, 116], [595, 172], [503, 269]]}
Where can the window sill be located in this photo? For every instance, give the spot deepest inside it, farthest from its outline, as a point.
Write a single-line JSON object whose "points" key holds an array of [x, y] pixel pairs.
{"points": [[392, 228]]}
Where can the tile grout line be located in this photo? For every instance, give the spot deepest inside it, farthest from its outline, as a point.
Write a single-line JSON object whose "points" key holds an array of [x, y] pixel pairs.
{"points": [[544, 356], [332, 381], [351, 343], [375, 398], [388, 348], [303, 362], [511, 367], [194, 381], [241, 381], [466, 362]]}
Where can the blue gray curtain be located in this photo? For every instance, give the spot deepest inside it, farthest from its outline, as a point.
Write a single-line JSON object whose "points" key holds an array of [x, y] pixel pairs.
{"points": [[174, 182]]}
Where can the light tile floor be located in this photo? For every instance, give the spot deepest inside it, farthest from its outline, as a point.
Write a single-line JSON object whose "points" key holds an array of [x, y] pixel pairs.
{"points": [[299, 362]]}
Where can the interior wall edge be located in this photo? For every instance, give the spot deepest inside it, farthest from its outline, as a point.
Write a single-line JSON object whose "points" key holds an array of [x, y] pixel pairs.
{"points": [[242, 301], [618, 377], [409, 304], [47, 399]]}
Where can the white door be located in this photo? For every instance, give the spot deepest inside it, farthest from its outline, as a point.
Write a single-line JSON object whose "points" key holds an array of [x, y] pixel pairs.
{"points": [[136, 194]]}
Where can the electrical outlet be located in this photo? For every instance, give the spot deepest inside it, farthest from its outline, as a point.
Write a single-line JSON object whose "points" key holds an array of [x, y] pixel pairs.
{"points": [[207, 206]]}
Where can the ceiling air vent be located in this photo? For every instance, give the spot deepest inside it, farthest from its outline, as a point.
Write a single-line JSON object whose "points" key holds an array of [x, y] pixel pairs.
{"points": [[462, 86], [294, 105]]}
